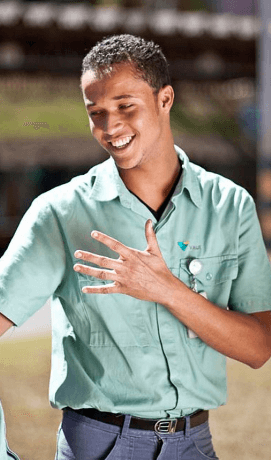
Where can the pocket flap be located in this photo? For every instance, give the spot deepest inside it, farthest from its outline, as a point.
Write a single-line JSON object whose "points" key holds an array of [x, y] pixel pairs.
{"points": [[215, 270]]}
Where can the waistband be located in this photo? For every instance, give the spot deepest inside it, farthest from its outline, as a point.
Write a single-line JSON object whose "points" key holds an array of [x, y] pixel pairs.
{"points": [[158, 425]]}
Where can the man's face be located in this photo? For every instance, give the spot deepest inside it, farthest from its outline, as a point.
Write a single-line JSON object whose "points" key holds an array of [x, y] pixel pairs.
{"points": [[124, 115]]}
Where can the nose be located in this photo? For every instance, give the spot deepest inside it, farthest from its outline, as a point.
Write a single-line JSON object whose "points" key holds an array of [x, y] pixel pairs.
{"points": [[112, 124]]}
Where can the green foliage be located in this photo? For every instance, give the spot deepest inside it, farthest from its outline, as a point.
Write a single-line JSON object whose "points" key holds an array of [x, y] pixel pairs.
{"points": [[34, 118], [56, 109]]}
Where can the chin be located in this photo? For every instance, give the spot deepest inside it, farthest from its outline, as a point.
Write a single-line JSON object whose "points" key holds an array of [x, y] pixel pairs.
{"points": [[125, 166]]}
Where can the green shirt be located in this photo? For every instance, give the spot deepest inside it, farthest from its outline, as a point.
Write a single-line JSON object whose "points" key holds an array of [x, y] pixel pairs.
{"points": [[113, 352]]}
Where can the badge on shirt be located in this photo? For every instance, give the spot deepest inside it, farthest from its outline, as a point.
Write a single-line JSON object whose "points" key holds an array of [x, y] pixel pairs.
{"points": [[195, 268]]}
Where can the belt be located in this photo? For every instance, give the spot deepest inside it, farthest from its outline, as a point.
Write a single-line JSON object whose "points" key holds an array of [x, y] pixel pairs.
{"points": [[160, 426]]}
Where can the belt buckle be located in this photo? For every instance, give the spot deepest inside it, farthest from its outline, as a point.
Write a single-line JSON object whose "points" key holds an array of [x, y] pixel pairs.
{"points": [[164, 426]]}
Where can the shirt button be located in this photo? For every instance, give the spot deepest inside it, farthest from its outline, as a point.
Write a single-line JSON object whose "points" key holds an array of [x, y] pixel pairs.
{"points": [[209, 276]]}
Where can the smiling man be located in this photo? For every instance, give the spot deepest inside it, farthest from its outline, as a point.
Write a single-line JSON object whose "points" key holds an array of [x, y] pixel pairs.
{"points": [[157, 272]]}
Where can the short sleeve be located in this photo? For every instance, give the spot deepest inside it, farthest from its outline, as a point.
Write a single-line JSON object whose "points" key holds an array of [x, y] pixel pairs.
{"points": [[33, 266], [251, 290]]}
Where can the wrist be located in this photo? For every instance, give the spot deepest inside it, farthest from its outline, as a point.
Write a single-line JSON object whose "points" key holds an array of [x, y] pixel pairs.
{"points": [[176, 290]]}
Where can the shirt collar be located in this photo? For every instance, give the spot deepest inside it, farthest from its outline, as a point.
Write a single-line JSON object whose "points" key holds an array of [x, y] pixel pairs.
{"points": [[189, 179], [108, 185]]}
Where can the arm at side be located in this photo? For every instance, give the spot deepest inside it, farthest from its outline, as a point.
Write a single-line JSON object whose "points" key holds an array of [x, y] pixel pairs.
{"points": [[5, 324]]}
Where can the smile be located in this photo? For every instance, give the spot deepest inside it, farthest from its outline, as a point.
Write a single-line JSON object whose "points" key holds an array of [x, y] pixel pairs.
{"points": [[121, 143]]}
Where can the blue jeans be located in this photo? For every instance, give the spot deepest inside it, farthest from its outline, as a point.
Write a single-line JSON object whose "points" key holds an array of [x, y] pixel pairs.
{"points": [[81, 438]]}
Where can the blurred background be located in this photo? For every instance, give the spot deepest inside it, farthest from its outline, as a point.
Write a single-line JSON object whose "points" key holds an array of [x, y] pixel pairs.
{"points": [[219, 57], [212, 47]]}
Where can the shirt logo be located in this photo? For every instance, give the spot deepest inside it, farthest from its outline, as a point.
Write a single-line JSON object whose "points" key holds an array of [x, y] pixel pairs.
{"points": [[183, 245]]}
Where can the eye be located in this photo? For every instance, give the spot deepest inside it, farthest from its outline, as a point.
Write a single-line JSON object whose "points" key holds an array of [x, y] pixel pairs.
{"points": [[95, 114], [125, 106]]}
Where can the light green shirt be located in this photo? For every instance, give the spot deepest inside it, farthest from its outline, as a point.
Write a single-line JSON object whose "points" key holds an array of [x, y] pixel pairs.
{"points": [[113, 352]]}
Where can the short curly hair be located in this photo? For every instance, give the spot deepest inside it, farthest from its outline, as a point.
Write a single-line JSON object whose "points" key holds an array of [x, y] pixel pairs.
{"points": [[147, 57]]}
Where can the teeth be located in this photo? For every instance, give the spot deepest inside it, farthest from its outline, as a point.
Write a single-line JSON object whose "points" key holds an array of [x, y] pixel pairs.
{"points": [[121, 142]]}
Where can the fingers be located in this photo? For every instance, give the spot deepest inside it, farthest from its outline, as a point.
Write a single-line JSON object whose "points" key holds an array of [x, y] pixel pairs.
{"points": [[102, 261], [96, 272], [108, 289], [151, 238], [131, 264], [111, 243]]}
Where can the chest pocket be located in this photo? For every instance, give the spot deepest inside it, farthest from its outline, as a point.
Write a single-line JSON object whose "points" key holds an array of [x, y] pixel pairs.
{"points": [[114, 319], [215, 278]]}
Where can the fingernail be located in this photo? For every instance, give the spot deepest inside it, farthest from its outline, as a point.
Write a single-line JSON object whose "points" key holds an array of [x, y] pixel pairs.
{"points": [[78, 254], [76, 268], [94, 234]]}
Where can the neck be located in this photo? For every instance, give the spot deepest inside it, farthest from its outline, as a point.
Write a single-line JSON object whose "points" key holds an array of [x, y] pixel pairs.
{"points": [[152, 182]]}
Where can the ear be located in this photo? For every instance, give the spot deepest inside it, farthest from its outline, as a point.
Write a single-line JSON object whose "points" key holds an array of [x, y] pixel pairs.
{"points": [[166, 98]]}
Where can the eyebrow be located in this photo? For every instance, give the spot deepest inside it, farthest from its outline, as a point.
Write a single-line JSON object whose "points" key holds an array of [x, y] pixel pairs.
{"points": [[116, 98], [123, 96]]}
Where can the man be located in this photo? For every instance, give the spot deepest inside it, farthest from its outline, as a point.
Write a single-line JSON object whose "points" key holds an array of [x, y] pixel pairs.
{"points": [[157, 272]]}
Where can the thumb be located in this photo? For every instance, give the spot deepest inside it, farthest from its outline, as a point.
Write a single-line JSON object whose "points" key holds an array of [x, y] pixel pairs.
{"points": [[151, 239]]}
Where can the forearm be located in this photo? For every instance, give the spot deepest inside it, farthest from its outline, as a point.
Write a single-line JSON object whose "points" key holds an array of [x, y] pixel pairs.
{"points": [[5, 324], [236, 335]]}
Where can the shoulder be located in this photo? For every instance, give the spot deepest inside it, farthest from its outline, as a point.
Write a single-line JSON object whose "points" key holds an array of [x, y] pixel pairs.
{"points": [[219, 189], [211, 188], [64, 197]]}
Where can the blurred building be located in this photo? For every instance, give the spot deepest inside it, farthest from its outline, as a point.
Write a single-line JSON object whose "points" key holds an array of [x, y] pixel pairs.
{"points": [[51, 37], [246, 7]]}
